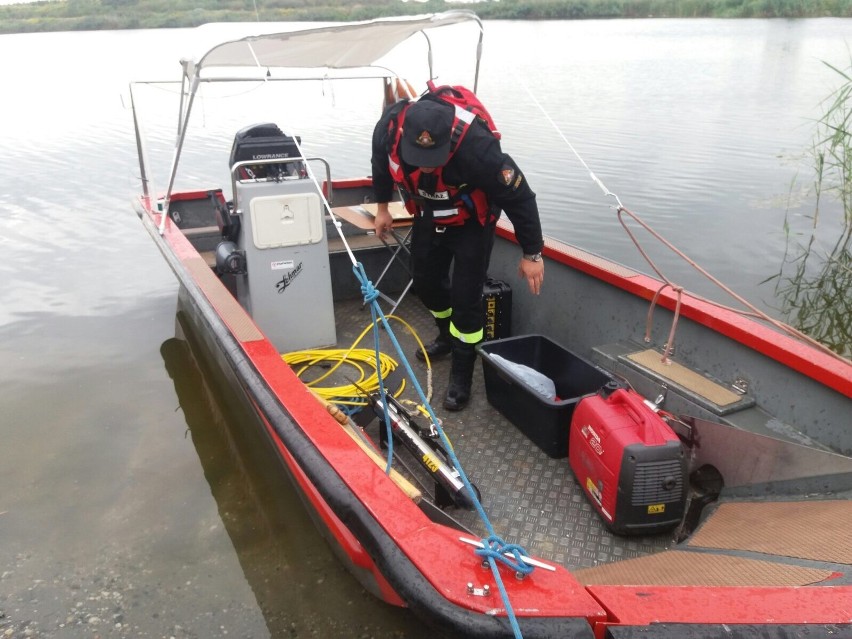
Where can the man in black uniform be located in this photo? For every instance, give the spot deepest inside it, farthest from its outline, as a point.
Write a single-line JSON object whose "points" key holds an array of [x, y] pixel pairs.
{"points": [[455, 178]]}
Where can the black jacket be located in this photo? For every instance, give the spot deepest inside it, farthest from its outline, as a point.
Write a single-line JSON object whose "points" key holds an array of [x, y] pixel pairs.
{"points": [[479, 162]]}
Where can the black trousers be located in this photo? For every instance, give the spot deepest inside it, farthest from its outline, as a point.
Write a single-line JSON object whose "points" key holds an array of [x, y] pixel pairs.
{"points": [[449, 266]]}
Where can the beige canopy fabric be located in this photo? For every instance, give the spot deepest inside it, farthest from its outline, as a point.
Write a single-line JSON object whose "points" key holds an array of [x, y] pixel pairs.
{"points": [[345, 46]]}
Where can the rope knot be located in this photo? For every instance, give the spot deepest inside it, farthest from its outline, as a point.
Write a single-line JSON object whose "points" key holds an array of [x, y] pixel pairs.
{"points": [[368, 290], [497, 549]]}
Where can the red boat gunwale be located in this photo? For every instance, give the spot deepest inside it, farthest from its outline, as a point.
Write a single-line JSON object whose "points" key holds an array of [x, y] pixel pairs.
{"points": [[821, 367]]}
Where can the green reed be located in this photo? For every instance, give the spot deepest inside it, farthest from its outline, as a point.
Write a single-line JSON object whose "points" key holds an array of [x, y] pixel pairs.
{"points": [[814, 284]]}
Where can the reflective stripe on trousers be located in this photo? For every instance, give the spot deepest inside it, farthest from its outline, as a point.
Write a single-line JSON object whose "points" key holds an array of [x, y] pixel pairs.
{"points": [[465, 248]]}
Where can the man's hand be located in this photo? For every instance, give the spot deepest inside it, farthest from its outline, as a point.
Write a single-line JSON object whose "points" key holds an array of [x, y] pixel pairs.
{"points": [[533, 273], [383, 220]]}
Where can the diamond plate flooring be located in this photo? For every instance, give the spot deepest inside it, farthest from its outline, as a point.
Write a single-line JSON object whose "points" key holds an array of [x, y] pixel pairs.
{"points": [[530, 498]]}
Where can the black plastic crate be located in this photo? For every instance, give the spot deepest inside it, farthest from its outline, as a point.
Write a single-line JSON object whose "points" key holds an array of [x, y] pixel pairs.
{"points": [[545, 421]]}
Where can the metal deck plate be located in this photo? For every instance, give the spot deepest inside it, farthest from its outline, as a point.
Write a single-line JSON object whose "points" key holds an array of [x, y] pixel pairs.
{"points": [[534, 500], [530, 498]]}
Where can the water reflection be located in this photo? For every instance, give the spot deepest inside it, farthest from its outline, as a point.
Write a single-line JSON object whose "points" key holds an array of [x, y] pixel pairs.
{"points": [[300, 586]]}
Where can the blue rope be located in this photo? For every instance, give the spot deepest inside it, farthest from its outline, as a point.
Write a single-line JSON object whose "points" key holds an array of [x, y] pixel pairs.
{"points": [[493, 547], [371, 294], [350, 410], [496, 549]]}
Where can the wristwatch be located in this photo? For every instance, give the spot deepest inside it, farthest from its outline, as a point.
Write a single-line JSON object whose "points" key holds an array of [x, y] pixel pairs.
{"points": [[533, 257]]}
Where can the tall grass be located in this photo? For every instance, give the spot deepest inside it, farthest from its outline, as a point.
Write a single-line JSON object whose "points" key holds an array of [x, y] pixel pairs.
{"points": [[814, 284], [833, 149]]}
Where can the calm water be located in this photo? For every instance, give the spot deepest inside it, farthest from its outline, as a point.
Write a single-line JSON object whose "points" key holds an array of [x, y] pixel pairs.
{"points": [[129, 506]]}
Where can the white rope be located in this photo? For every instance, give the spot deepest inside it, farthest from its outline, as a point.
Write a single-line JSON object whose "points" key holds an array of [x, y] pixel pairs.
{"points": [[592, 175], [782, 326], [337, 224]]}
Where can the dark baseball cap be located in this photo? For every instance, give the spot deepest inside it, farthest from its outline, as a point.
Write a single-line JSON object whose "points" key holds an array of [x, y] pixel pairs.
{"points": [[426, 134]]}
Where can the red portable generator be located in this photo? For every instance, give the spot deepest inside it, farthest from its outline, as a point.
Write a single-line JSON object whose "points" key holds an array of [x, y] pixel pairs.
{"points": [[629, 462]]}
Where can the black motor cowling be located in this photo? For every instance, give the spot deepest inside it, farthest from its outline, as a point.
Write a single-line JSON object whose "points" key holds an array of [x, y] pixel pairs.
{"points": [[266, 142]]}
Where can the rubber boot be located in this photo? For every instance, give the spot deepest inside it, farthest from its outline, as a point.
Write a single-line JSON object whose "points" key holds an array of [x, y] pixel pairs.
{"points": [[442, 344], [461, 375]]}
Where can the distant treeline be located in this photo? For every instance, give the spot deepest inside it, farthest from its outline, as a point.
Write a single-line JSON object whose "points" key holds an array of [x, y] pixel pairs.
{"points": [[79, 15]]}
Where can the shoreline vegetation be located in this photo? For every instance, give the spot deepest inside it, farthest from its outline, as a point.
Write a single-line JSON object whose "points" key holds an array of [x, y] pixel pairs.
{"points": [[92, 15], [815, 278]]}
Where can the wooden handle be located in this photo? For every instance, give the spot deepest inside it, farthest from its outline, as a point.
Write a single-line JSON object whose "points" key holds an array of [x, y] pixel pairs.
{"points": [[343, 419]]}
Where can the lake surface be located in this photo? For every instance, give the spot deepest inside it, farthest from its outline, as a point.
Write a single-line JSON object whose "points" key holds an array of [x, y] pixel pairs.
{"points": [[130, 505]]}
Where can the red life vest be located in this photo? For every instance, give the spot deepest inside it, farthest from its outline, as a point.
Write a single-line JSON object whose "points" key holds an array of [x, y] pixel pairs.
{"points": [[449, 204]]}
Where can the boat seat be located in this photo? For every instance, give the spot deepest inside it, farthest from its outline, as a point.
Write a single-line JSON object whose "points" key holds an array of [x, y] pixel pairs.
{"points": [[363, 216], [201, 231], [719, 398], [630, 359], [203, 238], [194, 213]]}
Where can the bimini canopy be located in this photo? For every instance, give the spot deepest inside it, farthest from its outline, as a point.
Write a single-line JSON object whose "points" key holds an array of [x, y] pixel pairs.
{"points": [[345, 46]]}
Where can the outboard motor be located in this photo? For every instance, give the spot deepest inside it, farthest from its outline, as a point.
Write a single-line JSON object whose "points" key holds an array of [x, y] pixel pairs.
{"points": [[265, 143]]}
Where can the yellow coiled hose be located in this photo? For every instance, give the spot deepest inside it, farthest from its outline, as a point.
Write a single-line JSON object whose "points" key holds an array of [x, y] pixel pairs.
{"points": [[360, 360]]}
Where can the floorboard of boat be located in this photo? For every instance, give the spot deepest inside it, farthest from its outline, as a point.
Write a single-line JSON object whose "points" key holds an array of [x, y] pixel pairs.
{"points": [[817, 529], [750, 543], [530, 498], [534, 500], [684, 568]]}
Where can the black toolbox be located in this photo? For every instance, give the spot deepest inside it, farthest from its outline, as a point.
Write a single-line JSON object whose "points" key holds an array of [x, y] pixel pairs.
{"points": [[497, 309]]}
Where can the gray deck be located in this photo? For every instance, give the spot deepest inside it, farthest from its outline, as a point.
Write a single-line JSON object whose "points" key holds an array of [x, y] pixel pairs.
{"points": [[530, 498], [534, 500]]}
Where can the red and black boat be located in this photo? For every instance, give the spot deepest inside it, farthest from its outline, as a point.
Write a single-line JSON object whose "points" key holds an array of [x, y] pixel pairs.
{"points": [[700, 491]]}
